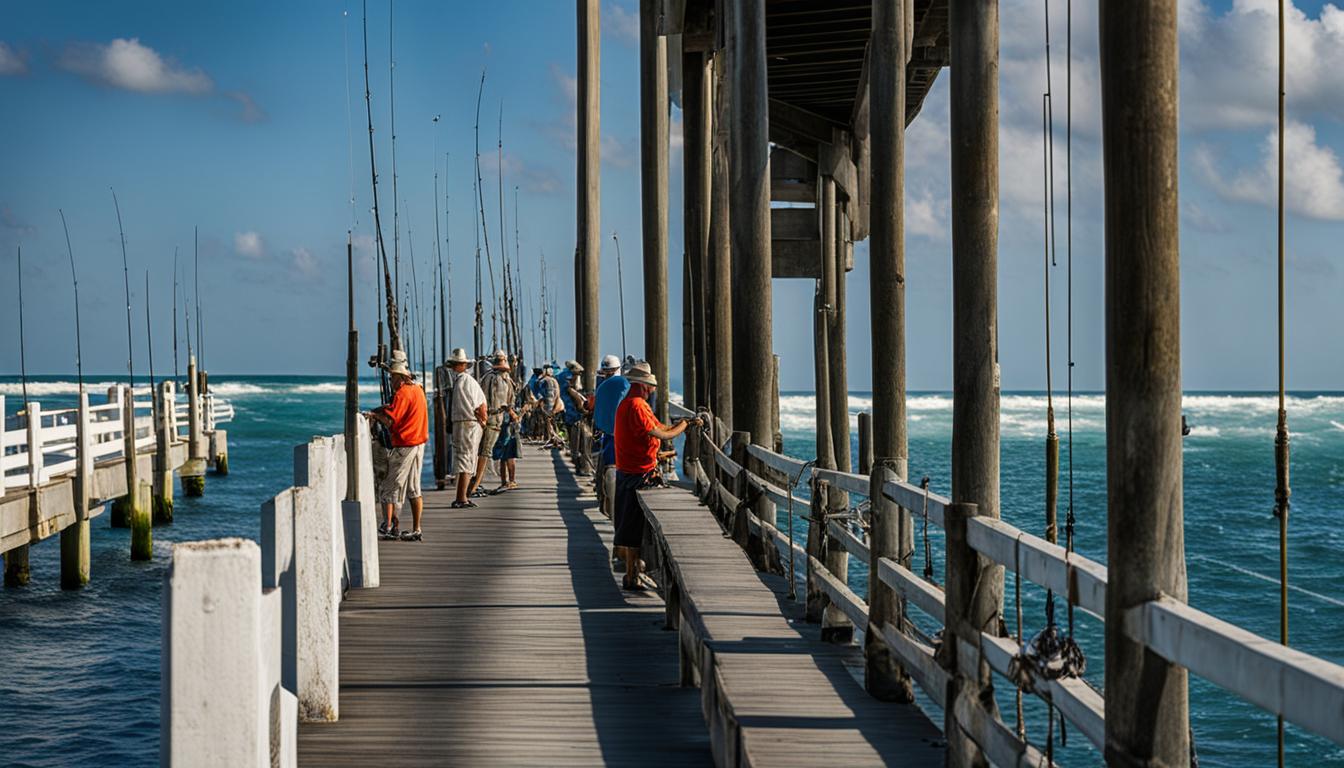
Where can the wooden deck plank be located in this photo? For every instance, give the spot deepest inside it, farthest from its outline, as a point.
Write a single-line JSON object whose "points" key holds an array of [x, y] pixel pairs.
{"points": [[504, 639]]}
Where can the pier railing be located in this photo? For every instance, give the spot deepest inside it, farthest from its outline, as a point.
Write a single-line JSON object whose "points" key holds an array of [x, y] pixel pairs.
{"points": [[251, 634], [746, 484]]}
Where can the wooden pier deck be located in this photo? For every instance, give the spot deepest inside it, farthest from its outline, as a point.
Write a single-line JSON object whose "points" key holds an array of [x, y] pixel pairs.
{"points": [[504, 639]]}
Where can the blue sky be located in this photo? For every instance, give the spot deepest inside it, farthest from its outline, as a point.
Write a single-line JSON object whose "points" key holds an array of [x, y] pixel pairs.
{"points": [[234, 118]]}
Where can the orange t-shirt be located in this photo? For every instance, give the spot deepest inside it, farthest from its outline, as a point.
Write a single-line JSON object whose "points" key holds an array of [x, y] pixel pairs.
{"points": [[636, 449], [410, 419]]}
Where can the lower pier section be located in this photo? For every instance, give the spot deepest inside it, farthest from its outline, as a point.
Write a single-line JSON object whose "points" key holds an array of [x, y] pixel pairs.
{"points": [[504, 639]]}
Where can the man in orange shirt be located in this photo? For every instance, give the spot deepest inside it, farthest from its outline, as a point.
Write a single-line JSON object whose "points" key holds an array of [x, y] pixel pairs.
{"points": [[407, 422], [638, 436]]}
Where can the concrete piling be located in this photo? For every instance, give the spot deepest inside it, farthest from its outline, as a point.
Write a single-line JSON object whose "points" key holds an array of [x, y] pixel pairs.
{"points": [[142, 535], [163, 470], [17, 573], [75, 537]]}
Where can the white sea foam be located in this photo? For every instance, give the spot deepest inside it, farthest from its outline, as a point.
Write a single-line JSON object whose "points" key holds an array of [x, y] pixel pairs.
{"points": [[1336, 424], [38, 389], [1204, 431]]}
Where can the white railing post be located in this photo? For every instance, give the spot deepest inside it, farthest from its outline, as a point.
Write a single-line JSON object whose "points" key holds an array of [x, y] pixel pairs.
{"points": [[35, 457], [216, 707], [170, 406], [319, 557], [360, 514], [3, 482]]}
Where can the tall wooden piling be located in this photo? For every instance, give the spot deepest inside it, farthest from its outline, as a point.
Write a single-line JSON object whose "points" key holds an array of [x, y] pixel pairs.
{"points": [[697, 152], [837, 344], [865, 442], [163, 452], [193, 474], [821, 327], [749, 163], [974, 35], [588, 252], [718, 271], [1147, 705], [75, 537], [884, 677], [142, 530], [131, 501], [653, 139]]}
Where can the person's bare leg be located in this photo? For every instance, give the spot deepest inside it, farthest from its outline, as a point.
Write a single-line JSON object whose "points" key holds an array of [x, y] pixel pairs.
{"points": [[481, 463], [513, 471], [631, 565], [417, 507], [388, 511], [463, 480]]}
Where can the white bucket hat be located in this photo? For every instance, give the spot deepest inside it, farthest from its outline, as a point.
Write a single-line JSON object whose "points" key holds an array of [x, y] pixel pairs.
{"points": [[574, 366], [640, 373], [611, 363], [398, 367], [501, 360], [459, 356]]}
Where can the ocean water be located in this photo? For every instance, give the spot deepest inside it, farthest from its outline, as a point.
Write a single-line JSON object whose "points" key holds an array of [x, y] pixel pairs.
{"points": [[79, 671]]}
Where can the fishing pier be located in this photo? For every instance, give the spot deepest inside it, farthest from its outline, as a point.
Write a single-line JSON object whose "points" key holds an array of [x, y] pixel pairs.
{"points": [[504, 637], [61, 468]]}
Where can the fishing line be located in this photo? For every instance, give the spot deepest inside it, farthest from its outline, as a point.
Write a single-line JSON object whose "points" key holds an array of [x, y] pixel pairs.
{"points": [[1282, 493], [23, 360], [175, 368], [349, 120], [74, 282], [126, 277], [620, 284], [149, 343]]}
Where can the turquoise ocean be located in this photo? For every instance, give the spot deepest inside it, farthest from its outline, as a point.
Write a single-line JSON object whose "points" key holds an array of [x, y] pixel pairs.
{"points": [[79, 671]]}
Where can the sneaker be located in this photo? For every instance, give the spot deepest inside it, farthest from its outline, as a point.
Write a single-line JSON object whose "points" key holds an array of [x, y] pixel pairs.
{"points": [[411, 536]]}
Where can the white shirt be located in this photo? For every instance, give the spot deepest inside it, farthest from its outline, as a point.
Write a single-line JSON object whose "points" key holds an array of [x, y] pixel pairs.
{"points": [[467, 397]]}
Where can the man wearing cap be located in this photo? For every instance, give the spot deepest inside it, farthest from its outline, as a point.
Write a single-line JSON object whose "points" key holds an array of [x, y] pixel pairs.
{"points": [[407, 422], [639, 435], [499, 396], [611, 390], [550, 390], [468, 412]]}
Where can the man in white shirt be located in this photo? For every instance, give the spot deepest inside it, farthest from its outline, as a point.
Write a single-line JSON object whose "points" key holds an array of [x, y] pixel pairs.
{"points": [[468, 414]]}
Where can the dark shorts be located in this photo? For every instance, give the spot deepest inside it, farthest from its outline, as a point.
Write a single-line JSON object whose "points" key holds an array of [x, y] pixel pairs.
{"points": [[626, 513]]}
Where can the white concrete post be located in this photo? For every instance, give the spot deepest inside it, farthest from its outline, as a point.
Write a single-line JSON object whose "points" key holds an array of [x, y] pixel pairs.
{"points": [[277, 573], [214, 708], [360, 516], [319, 554], [35, 457]]}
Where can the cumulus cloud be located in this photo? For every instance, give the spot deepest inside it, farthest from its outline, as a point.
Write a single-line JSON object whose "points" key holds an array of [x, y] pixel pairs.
{"points": [[926, 215], [305, 264], [1313, 178], [249, 244], [621, 24], [132, 66], [249, 110], [12, 62]]}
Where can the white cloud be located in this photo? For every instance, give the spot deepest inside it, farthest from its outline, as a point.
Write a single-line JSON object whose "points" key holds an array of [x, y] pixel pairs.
{"points": [[249, 244], [250, 111], [132, 66], [1313, 178], [11, 61], [305, 263], [926, 215], [621, 24]]}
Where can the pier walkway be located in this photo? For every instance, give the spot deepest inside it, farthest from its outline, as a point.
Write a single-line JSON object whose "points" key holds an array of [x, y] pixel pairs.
{"points": [[504, 638]]}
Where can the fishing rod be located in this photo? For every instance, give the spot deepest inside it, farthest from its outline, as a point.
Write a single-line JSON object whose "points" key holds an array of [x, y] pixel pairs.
{"points": [[175, 369], [390, 303], [23, 360], [485, 232], [446, 295], [438, 257], [196, 276], [518, 274], [503, 242], [417, 329], [149, 342], [545, 316], [126, 277], [392, 114], [620, 285], [74, 282]]}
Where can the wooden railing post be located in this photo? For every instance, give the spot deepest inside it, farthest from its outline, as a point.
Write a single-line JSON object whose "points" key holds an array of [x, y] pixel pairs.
{"points": [[971, 607], [884, 677], [865, 443], [835, 625], [739, 525], [816, 600], [123, 509], [75, 537], [16, 560]]}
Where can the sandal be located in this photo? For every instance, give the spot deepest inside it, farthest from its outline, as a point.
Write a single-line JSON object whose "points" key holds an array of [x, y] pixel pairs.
{"points": [[411, 536], [463, 504]]}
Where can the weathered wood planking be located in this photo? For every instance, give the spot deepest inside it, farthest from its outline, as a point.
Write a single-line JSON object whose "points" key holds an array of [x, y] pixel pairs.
{"points": [[504, 639], [772, 693]]}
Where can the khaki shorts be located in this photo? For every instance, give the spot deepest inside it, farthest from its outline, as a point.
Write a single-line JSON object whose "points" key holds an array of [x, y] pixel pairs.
{"points": [[489, 437], [466, 439], [402, 480]]}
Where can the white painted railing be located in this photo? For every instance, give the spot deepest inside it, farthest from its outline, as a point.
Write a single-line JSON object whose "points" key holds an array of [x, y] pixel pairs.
{"points": [[1305, 690], [38, 445], [251, 635]]}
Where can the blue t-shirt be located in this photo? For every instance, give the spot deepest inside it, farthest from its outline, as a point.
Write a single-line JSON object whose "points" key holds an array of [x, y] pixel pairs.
{"points": [[609, 395], [534, 384]]}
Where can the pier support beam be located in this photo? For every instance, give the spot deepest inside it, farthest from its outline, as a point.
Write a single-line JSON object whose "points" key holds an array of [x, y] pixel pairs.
{"points": [[142, 525], [697, 152], [193, 472], [163, 470], [588, 252], [837, 343], [719, 272], [974, 31], [1147, 697], [887, 434], [883, 677], [653, 138], [75, 537], [750, 194], [16, 567]]}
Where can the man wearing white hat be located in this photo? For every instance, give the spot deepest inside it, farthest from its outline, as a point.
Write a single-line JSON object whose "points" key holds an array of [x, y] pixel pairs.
{"points": [[407, 422], [468, 413], [499, 396]]}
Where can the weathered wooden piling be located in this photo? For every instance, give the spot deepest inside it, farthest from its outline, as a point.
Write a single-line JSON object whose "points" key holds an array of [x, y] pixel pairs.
{"points": [[1147, 705], [865, 421], [697, 95], [888, 442], [884, 677], [142, 523], [718, 271], [653, 139], [588, 252], [124, 508], [974, 31], [75, 537], [164, 432], [193, 472], [749, 162], [17, 573]]}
